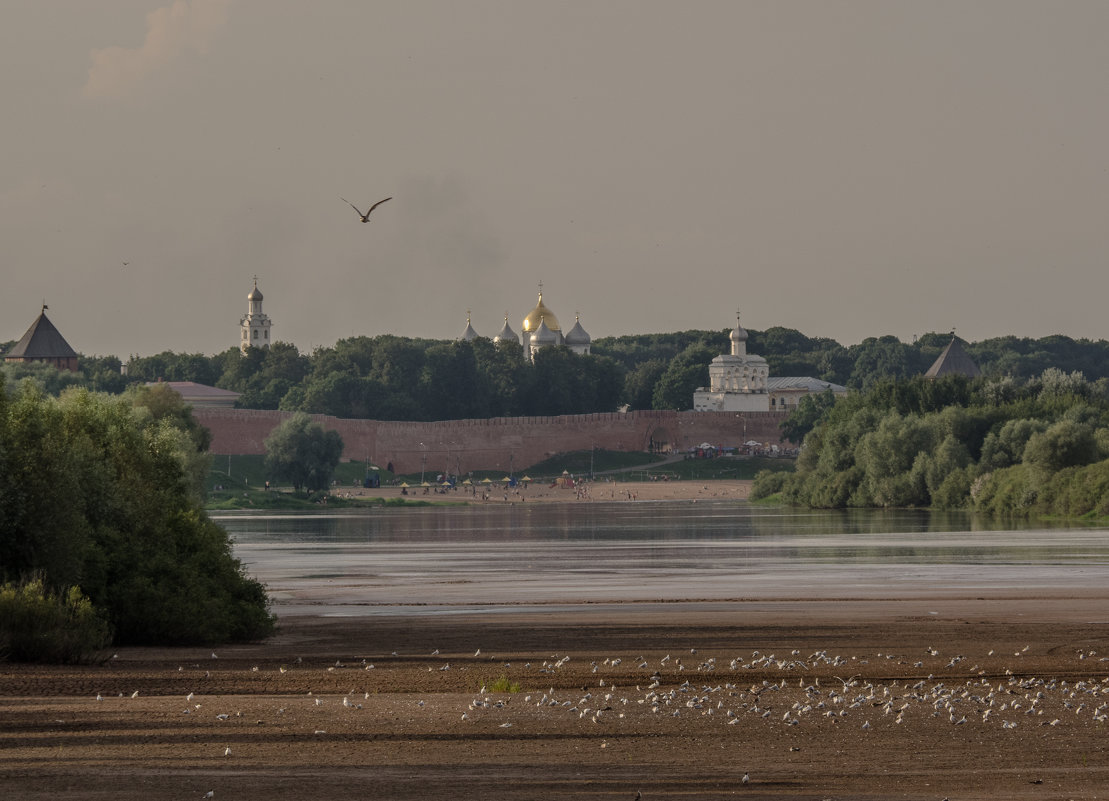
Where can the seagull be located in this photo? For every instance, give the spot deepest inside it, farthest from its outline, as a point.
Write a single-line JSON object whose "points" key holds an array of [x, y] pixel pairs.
{"points": [[365, 217], [746, 778]]}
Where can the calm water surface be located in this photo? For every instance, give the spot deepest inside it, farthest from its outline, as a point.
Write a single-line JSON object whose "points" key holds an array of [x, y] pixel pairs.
{"points": [[449, 559]]}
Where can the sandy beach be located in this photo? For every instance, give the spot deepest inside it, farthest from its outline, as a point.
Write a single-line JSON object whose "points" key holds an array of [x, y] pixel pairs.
{"points": [[600, 490], [926, 697]]}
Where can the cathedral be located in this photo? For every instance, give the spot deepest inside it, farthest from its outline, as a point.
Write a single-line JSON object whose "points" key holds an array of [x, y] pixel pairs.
{"points": [[540, 329]]}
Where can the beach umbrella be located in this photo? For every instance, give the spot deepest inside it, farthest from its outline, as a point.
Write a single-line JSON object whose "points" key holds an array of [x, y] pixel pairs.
{"points": [[467, 483], [446, 484], [487, 480], [506, 480], [404, 484], [526, 478], [424, 484]]}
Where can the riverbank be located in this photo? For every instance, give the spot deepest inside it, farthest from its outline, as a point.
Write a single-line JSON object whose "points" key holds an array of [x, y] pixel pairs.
{"points": [[600, 490], [920, 698]]}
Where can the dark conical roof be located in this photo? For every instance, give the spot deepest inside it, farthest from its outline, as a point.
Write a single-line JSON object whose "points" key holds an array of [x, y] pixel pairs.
{"points": [[42, 341], [953, 361]]}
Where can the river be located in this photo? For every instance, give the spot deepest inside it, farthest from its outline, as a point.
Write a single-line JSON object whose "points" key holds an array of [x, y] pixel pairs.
{"points": [[442, 560]]}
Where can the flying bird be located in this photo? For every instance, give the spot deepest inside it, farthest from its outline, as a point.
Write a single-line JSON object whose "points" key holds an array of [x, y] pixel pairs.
{"points": [[365, 217]]}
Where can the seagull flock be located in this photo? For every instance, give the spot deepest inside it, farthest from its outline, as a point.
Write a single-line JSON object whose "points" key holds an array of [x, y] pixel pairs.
{"points": [[1009, 702], [759, 690]]}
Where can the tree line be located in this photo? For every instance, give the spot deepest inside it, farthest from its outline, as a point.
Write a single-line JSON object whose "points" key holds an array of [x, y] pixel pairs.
{"points": [[1003, 445], [103, 534], [397, 378]]}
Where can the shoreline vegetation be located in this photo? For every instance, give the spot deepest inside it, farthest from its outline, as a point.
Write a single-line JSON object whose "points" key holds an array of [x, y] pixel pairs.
{"points": [[103, 534], [1000, 447]]}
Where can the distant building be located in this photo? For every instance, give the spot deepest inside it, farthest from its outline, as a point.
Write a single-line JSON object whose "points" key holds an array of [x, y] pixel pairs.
{"points": [[786, 391], [254, 325], [540, 330], [201, 395], [740, 382], [737, 380], [953, 361], [43, 343]]}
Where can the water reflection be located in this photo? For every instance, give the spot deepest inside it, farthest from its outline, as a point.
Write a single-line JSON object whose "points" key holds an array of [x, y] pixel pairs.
{"points": [[549, 553]]}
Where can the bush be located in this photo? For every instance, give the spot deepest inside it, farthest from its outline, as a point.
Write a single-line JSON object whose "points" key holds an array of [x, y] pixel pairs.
{"points": [[504, 685], [103, 493], [303, 453], [767, 483], [38, 626]]}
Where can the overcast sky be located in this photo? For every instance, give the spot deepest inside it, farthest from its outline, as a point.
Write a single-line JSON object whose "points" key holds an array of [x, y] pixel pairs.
{"points": [[849, 169]]}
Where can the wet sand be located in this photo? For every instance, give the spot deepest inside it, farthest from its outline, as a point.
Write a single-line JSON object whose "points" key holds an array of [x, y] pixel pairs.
{"points": [[862, 699], [926, 696]]}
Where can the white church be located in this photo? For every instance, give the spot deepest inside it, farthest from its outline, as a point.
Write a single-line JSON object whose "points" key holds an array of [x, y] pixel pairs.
{"points": [[740, 382]]}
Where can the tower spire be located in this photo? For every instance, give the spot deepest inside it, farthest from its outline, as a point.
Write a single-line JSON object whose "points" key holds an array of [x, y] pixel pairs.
{"points": [[254, 326]]}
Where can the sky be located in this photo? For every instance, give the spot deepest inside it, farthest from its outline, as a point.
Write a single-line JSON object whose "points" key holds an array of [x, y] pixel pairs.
{"points": [[849, 169]]}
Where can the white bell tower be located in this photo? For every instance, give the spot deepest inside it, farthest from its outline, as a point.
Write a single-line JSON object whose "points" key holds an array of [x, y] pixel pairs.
{"points": [[255, 326]]}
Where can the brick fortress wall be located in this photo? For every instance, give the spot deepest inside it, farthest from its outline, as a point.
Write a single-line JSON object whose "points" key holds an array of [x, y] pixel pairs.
{"points": [[500, 443]]}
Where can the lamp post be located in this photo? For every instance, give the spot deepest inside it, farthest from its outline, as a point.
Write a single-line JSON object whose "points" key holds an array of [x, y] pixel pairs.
{"points": [[423, 461], [448, 467]]}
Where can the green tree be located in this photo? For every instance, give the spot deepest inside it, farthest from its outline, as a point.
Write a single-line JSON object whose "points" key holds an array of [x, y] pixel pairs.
{"points": [[883, 358], [1005, 446], [103, 373], [640, 382], [1064, 444], [52, 380], [810, 410], [302, 453], [170, 366], [100, 493], [688, 371], [282, 368], [450, 386], [503, 370]]}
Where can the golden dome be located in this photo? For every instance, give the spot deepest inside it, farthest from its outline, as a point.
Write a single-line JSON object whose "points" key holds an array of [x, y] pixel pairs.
{"points": [[540, 312]]}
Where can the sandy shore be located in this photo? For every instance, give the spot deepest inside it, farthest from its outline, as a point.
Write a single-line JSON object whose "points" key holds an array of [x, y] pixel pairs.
{"points": [[930, 697], [600, 490]]}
